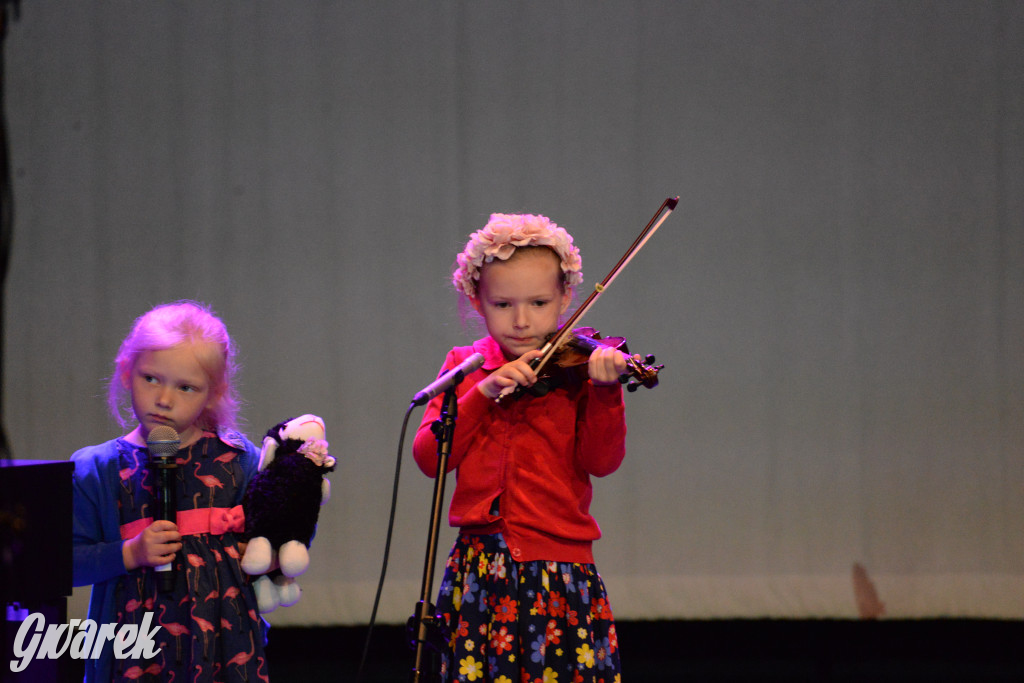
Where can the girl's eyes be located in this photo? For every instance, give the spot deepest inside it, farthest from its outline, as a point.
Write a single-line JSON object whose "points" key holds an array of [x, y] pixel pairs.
{"points": [[187, 388], [537, 304]]}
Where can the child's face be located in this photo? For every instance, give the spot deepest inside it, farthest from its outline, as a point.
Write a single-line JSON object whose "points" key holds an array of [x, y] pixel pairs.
{"points": [[169, 388], [521, 300]]}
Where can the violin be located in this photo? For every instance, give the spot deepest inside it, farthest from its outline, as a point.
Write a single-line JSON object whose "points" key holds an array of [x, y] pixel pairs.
{"points": [[574, 353], [584, 340]]}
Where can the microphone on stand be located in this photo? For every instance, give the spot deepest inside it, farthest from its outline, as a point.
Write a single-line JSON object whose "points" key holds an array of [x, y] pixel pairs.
{"points": [[449, 379], [163, 444]]}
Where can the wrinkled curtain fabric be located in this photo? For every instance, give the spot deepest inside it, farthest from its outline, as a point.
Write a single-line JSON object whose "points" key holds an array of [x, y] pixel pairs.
{"points": [[839, 427]]}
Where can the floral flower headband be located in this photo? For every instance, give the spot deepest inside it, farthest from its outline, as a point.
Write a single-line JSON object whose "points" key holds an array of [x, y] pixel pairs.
{"points": [[316, 450], [500, 238]]}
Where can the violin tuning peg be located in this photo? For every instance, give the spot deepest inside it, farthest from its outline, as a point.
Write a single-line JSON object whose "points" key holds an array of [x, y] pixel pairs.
{"points": [[624, 377], [632, 386], [649, 359]]}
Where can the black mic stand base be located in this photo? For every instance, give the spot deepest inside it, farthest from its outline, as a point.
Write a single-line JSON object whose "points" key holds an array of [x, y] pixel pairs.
{"points": [[425, 629]]}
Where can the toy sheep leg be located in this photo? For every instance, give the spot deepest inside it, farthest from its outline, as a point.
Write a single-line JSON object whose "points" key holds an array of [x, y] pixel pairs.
{"points": [[294, 558], [258, 556], [288, 591], [266, 594], [279, 591]]}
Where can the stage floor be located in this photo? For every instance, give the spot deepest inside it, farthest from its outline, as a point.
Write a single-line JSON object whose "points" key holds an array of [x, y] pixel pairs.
{"points": [[728, 650]]}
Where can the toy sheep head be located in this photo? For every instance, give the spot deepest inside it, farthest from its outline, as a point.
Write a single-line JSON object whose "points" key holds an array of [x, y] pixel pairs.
{"points": [[308, 429]]}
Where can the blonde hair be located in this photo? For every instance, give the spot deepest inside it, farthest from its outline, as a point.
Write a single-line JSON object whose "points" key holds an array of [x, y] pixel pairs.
{"points": [[169, 325]]}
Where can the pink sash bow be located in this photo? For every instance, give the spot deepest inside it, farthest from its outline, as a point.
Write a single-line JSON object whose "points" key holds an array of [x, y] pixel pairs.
{"points": [[191, 522]]}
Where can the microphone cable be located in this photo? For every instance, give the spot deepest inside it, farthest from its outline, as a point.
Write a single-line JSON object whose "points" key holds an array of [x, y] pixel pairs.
{"points": [[387, 544]]}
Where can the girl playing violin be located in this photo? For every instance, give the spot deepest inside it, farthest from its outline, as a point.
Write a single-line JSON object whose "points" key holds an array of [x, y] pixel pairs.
{"points": [[521, 597]]}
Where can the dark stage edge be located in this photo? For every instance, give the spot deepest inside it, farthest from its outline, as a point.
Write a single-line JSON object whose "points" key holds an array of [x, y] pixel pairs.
{"points": [[718, 650]]}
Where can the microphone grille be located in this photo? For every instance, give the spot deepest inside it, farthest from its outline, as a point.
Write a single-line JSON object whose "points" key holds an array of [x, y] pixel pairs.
{"points": [[163, 441]]}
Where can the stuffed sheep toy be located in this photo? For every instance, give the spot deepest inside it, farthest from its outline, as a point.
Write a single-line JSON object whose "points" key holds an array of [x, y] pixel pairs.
{"points": [[282, 504]]}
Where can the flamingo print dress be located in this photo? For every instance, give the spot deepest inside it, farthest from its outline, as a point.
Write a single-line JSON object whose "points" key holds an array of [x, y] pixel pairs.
{"points": [[210, 630]]}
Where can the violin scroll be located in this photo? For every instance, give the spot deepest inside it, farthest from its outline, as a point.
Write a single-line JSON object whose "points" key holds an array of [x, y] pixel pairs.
{"points": [[639, 374]]}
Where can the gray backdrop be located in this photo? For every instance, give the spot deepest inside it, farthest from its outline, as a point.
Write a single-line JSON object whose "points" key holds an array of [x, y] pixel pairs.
{"points": [[837, 299]]}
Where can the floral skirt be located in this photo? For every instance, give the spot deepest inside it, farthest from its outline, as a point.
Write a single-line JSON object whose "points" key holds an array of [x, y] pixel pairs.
{"points": [[524, 622]]}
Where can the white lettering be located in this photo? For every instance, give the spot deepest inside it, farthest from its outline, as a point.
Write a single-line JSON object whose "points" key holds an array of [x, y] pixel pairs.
{"points": [[52, 639], [19, 640], [145, 644], [106, 633], [125, 637], [82, 643], [130, 640]]}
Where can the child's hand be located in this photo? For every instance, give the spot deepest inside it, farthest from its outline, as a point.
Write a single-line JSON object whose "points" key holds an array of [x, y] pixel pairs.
{"points": [[155, 545], [605, 366], [509, 375]]}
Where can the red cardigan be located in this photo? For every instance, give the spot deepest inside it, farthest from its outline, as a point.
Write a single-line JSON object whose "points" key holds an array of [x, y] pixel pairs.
{"points": [[536, 453]]}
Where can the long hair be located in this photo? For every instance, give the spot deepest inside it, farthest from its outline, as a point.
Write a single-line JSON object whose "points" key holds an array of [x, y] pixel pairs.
{"points": [[166, 326]]}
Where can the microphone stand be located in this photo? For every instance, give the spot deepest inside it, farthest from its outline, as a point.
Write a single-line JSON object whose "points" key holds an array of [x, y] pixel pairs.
{"points": [[424, 626]]}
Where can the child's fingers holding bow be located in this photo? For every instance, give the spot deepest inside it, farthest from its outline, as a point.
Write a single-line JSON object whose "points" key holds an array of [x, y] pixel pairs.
{"points": [[509, 375]]}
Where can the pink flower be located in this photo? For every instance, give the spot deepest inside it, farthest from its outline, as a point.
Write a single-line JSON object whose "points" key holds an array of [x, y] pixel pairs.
{"points": [[499, 240], [316, 450]]}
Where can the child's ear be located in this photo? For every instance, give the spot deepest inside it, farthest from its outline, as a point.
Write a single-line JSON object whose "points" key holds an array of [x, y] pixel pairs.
{"points": [[476, 304], [566, 300]]}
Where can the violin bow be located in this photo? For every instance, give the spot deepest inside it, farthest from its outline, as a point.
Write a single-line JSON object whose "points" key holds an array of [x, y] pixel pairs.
{"points": [[663, 212]]}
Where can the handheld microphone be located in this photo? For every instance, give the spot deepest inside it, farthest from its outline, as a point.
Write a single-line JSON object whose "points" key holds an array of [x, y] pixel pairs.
{"points": [[449, 379], [163, 444]]}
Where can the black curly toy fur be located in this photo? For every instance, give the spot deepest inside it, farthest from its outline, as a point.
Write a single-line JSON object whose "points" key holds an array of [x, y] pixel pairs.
{"points": [[282, 502]]}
